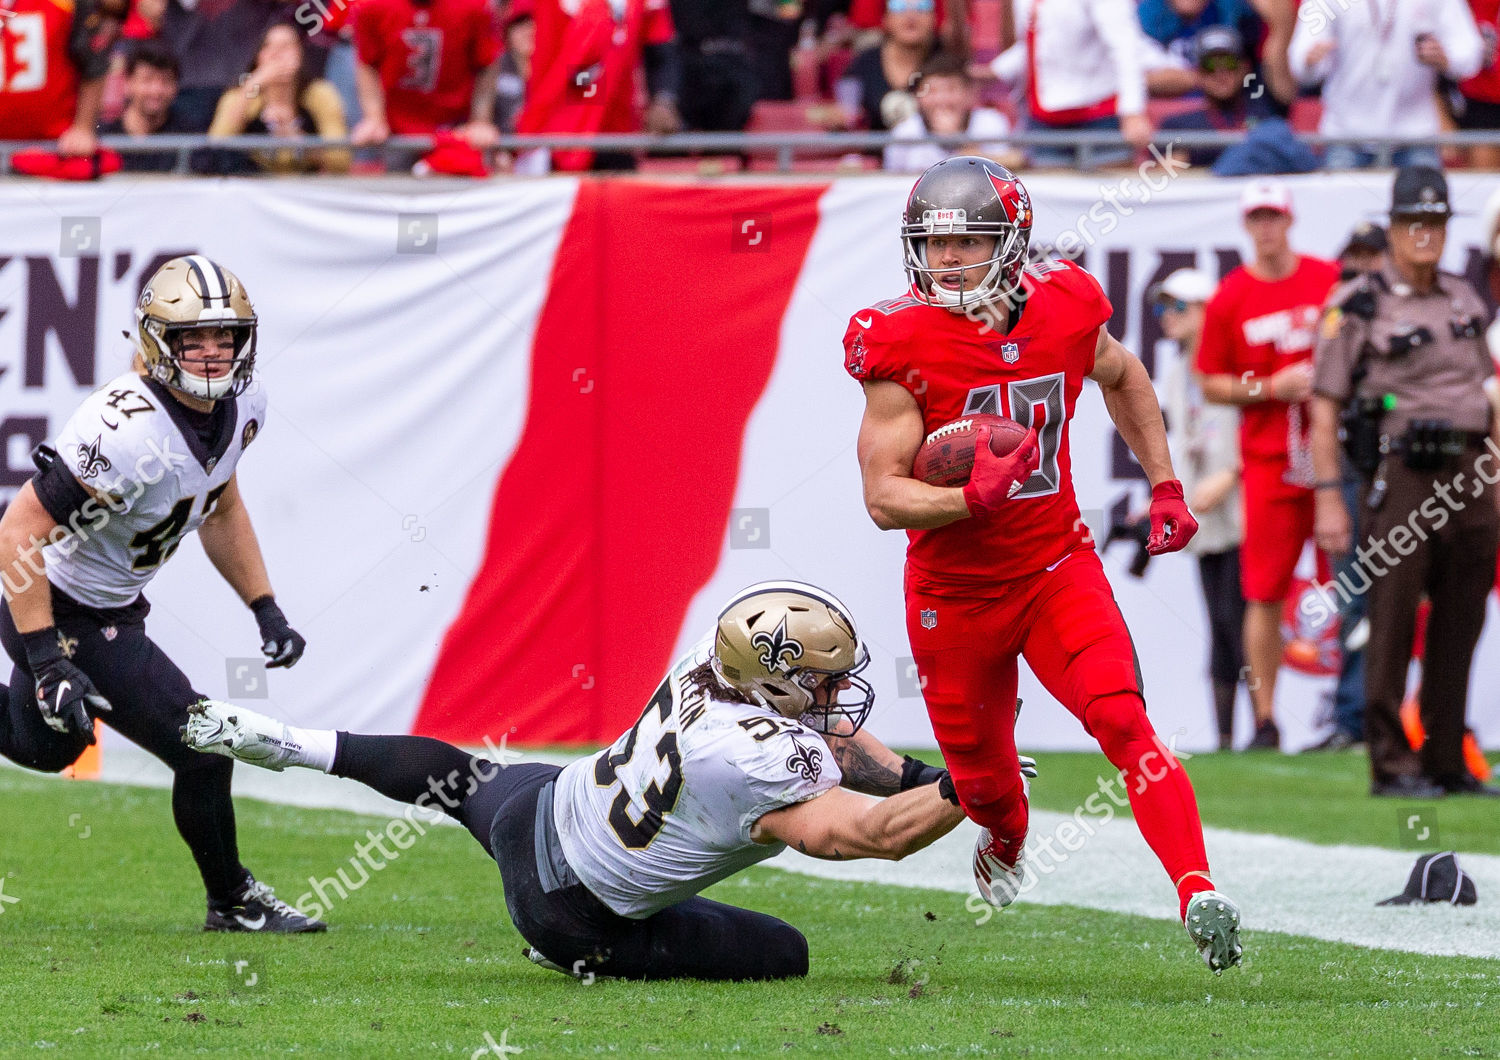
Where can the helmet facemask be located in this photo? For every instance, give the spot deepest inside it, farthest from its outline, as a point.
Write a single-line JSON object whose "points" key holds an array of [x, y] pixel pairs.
{"points": [[1001, 272], [847, 709], [168, 369]]}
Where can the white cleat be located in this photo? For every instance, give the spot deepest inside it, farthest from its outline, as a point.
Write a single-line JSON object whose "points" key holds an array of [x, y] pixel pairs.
{"points": [[244, 735], [1213, 923], [998, 882]]}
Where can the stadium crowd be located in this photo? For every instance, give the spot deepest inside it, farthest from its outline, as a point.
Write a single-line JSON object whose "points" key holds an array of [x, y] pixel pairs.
{"points": [[467, 71]]}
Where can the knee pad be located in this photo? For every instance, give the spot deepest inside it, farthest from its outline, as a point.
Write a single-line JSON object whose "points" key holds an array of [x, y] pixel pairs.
{"points": [[1125, 734]]}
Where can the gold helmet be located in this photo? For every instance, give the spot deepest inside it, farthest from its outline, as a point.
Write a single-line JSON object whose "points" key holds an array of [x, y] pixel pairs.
{"points": [[187, 293], [778, 643]]}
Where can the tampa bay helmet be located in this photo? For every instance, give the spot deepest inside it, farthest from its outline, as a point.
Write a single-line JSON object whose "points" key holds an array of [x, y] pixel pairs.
{"points": [[967, 195], [187, 293], [777, 643]]}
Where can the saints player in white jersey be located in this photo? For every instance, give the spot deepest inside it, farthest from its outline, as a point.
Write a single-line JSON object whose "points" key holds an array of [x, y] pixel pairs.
{"points": [[146, 459], [750, 744]]}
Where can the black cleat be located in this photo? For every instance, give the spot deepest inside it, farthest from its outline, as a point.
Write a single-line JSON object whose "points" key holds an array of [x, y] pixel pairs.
{"points": [[1406, 787], [1267, 737], [1467, 784], [255, 907]]}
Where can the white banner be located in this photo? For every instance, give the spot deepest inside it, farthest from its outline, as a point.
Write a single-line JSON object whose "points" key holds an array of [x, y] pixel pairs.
{"points": [[397, 329]]}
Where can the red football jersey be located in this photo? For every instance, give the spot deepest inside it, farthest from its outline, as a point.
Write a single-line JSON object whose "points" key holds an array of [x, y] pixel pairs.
{"points": [[1254, 326], [428, 56], [1033, 373], [38, 79], [583, 75], [1485, 85]]}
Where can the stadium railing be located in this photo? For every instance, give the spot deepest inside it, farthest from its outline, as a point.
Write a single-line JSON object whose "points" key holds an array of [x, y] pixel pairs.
{"points": [[784, 148]]}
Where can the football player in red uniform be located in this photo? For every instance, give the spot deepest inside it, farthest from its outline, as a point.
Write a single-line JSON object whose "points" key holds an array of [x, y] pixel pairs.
{"points": [[1259, 330], [426, 65], [1004, 566], [53, 58]]}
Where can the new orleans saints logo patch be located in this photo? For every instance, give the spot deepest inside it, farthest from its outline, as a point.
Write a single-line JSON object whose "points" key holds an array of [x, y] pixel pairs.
{"points": [[251, 430], [91, 461], [805, 760], [777, 650]]}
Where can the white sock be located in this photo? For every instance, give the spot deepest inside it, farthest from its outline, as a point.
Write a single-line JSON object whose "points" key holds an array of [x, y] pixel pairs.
{"points": [[314, 748]]}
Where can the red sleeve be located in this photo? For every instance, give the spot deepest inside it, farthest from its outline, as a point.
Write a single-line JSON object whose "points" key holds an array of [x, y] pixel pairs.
{"points": [[369, 43], [1087, 304], [657, 27], [1216, 348], [870, 350], [486, 47]]}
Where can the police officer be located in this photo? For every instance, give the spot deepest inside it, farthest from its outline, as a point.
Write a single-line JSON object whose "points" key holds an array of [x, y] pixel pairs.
{"points": [[1401, 372]]}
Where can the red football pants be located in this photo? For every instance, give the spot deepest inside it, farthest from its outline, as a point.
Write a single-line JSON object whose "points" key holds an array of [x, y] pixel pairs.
{"points": [[1067, 625]]}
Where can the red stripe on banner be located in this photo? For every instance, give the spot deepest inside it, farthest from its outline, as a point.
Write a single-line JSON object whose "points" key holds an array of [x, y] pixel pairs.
{"points": [[658, 336]]}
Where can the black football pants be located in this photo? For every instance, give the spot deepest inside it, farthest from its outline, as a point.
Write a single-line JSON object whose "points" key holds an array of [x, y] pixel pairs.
{"points": [[695, 939], [149, 696]]}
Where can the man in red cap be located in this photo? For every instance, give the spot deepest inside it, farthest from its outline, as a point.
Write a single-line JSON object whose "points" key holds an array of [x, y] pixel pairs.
{"points": [[1259, 331]]}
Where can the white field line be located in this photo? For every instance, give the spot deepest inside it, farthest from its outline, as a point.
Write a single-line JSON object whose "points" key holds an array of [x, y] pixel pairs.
{"points": [[1286, 885]]}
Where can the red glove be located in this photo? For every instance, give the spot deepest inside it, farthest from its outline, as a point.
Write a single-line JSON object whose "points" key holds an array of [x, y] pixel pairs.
{"points": [[1172, 525], [995, 479]]}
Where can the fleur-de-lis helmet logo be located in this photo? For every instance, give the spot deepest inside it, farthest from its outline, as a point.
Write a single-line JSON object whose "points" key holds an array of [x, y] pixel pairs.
{"points": [[777, 650]]}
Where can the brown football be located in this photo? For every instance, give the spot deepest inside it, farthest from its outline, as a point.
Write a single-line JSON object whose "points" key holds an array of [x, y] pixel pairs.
{"points": [[947, 456]]}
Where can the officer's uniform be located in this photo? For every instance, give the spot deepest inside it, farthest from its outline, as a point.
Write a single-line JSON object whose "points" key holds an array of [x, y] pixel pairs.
{"points": [[1417, 365]]}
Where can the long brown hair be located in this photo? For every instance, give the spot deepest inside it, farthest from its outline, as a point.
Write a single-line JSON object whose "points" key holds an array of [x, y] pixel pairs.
{"points": [[304, 76]]}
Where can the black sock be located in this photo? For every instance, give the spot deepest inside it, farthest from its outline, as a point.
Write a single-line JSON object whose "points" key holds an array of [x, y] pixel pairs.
{"points": [[405, 768], [1224, 694], [204, 812]]}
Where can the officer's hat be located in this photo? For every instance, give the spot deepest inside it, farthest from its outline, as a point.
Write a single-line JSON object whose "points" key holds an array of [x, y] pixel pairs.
{"points": [[1420, 192]]}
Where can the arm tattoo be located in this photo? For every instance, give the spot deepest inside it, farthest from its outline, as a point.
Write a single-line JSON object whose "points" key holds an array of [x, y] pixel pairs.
{"points": [[862, 772]]}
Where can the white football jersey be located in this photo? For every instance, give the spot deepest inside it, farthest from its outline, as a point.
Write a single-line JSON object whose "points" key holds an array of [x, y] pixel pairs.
{"points": [[667, 810], [125, 444]]}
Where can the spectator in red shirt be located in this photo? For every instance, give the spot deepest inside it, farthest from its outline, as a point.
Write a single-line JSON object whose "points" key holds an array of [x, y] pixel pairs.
{"points": [[1478, 103], [53, 59], [1259, 331], [583, 77], [426, 66]]}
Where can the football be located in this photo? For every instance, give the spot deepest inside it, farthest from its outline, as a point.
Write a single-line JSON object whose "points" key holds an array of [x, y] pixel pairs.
{"points": [[947, 455]]}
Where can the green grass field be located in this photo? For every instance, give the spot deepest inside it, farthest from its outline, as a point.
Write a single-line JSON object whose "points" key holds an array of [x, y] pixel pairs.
{"points": [[100, 953]]}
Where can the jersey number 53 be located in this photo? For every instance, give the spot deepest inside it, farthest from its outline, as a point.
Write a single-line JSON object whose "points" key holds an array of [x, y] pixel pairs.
{"points": [[659, 797]]}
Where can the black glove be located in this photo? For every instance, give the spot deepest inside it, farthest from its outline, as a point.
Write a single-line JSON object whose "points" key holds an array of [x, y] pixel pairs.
{"points": [[280, 643], [915, 773], [62, 689]]}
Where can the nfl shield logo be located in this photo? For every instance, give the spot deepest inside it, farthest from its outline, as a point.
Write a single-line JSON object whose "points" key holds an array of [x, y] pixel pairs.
{"points": [[1010, 352], [929, 619]]}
